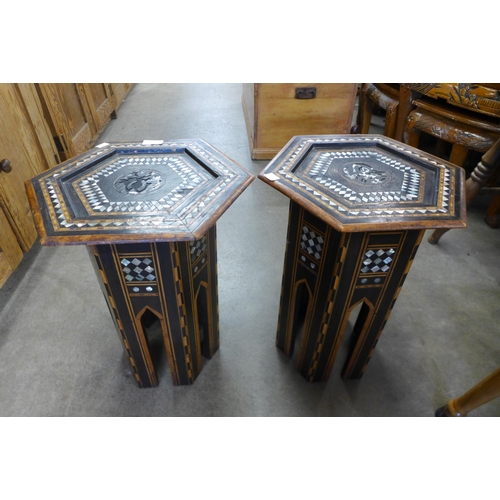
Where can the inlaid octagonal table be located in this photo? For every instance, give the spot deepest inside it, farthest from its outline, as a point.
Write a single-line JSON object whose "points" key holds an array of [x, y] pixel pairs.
{"points": [[359, 205], [147, 213]]}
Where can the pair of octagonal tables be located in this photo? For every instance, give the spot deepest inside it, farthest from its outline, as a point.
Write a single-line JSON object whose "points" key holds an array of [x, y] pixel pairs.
{"points": [[147, 212]]}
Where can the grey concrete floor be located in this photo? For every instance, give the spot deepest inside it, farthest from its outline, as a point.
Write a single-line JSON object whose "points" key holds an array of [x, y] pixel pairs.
{"points": [[60, 354]]}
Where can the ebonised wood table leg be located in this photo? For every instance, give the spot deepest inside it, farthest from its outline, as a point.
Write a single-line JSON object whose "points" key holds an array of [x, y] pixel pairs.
{"points": [[173, 283], [327, 274]]}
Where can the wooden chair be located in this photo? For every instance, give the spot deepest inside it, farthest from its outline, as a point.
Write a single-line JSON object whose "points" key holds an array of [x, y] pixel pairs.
{"points": [[386, 97], [482, 393], [465, 130], [486, 169]]}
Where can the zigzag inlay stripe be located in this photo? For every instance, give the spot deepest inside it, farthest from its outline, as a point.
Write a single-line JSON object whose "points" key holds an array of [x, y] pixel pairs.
{"points": [[182, 313], [117, 319]]}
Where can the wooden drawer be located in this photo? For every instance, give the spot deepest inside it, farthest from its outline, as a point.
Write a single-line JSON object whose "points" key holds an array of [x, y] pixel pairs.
{"points": [[274, 114]]}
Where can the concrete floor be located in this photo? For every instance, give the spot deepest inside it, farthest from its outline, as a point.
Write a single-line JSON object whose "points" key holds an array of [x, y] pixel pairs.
{"points": [[60, 354]]}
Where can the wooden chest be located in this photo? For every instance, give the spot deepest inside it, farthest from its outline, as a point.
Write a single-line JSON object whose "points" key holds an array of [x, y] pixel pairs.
{"points": [[275, 112]]}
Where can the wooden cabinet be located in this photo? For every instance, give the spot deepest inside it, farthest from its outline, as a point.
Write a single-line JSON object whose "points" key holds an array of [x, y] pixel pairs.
{"points": [[101, 103], [20, 144], [120, 91], [275, 112], [78, 112], [42, 125], [10, 251]]}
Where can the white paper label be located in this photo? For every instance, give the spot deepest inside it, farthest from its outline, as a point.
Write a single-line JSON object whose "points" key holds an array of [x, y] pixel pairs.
{"points": [[271, 177], [147, 142]]}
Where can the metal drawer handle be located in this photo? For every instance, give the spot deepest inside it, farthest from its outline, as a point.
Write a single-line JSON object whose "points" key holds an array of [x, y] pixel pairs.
{"points": [[305, 92]]}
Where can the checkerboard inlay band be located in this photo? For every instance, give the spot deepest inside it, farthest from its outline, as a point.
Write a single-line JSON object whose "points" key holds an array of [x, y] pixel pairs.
{"points": [[311, 243], [379, 261], [197, 247], [138, 269]]}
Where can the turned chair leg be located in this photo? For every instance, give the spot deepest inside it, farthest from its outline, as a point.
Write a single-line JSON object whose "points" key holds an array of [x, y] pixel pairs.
{"points": [[485, 169], [482, 393]]}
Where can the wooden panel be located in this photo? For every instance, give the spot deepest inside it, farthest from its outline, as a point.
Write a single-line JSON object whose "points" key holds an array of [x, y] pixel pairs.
{"points": [[100, 101], [8, 242], [120, 91], [72, 107], [248, 102], [34, 109], [279, 115], [287, 90], [5, 269], [68, 117], [10, 251], [20, 145]]}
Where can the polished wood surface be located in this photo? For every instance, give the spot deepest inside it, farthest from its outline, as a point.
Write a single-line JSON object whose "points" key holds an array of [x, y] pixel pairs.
{"points": [[476, 97], [172, 285], [131, 192], [147, 212], [482, 393], [274, 114], [326, 275], [465, 130], [365, 182], [359, 206]]}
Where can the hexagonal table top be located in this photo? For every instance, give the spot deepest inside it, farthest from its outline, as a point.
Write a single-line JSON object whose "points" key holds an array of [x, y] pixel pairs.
{"points": [[365, 182], [129, 192]]}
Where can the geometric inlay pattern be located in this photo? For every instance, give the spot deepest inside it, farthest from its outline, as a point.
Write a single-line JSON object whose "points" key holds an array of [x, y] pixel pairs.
{"points": [[378, 261], [358, 182], [127, 192], [138, 269], [197, 247], [311, 243], [95, 186], [354, 181]]}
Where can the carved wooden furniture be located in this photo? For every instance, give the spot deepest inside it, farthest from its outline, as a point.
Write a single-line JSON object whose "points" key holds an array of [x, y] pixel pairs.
{"points": [[488, 167], [147, 213], [386, 97], [482, 98], [359, 205], [275, 112], [465, 130], [482, 393]]}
